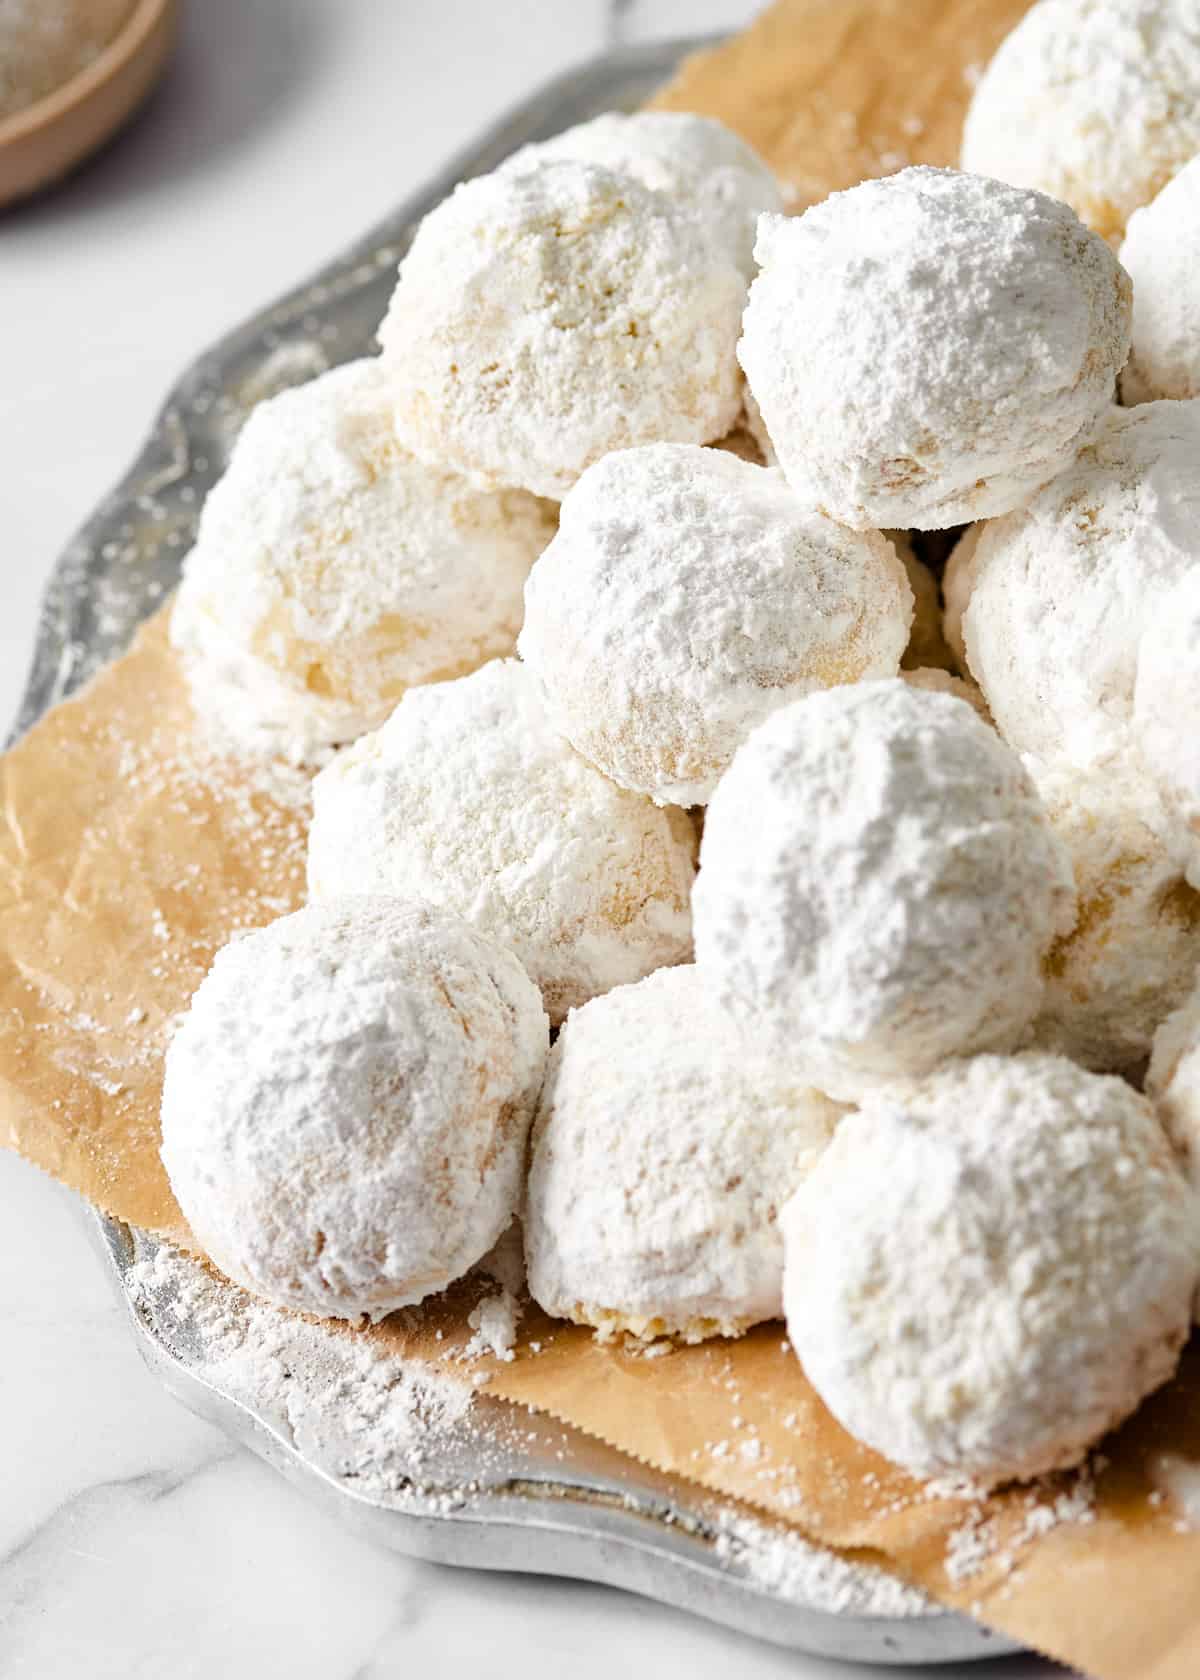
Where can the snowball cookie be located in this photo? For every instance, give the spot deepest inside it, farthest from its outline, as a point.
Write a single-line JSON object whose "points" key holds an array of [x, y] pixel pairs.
{"points": [[930, 348], [1094, 101], [1133, 953], [546, 317], [1174, 1081], [878, 885], [665, 1143], [347, 1104], [757, 427], [1062, 590], [741, 443], [927, 648], [686, 596], [468, 798], [696, 161], [990, 1268], [934, 680], [332, 571], [1166, 706], [958, 580], [1161, 254]]}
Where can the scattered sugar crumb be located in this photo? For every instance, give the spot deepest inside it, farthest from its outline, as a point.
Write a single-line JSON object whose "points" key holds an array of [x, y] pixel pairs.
{"points": [[781, 1561], [1048, 1505], [968, 1549], [494, 1322], [954, 1487]]}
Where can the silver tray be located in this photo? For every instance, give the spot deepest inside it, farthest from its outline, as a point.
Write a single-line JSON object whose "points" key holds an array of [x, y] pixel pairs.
{"points": [[533, 1502]]}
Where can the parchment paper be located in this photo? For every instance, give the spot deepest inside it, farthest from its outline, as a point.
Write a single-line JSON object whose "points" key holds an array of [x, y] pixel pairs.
{"points": [[128, 854], [830, 91]]}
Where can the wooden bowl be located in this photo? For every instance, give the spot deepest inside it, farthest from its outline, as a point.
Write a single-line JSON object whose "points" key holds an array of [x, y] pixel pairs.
{"points": [[48, 138]]}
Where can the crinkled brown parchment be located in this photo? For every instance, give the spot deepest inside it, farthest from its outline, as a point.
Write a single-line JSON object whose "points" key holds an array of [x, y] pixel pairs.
{"points": [[128, 855]]}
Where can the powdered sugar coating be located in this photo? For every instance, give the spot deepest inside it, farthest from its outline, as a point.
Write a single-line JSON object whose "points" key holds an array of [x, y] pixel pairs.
{"points": [[1173, 1081], [934, 680], [694, 160], [686, 596], [1160, 253], [1132, 956], [468, 797], [332, 571], [347, 1103], [931, 347], [664, 1145], [741, 443], [958, 580], [990, 1268], [545, 317], [878, 885], [1166, 705], [1094, 101], [754, 423], [1062, 590]]}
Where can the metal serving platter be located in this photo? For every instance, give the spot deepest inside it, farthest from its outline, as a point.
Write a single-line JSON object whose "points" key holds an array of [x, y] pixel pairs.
{"points": [[531, 1500]]}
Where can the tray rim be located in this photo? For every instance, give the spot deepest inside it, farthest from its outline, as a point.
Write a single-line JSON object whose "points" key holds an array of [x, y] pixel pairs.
{"points": [[55, 670], [651, 1534]]}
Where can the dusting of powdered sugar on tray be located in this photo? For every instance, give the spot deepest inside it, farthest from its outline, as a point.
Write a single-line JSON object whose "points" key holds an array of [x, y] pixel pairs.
{"points": [[385, 1425], [784, 1563], [341, 1400]]}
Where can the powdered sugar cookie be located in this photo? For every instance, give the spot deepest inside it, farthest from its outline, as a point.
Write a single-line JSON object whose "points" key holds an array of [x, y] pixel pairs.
{"points": [[1133, 954], [1174, 1081], [695, 161], [757, 427], [468, 797], [931, 347], [347, 1103], [989, 1269], [1160, 253], [1061, 592], [741, 444], [1166, 706], [332, 571], [958, 580], [1094, 101], [545, 317], [686, 596], [665, 1143], [878, 885], [934, 680]]}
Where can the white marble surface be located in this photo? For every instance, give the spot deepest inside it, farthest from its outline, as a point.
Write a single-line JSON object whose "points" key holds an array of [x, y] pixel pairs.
{"points": [[135, 1541]]}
